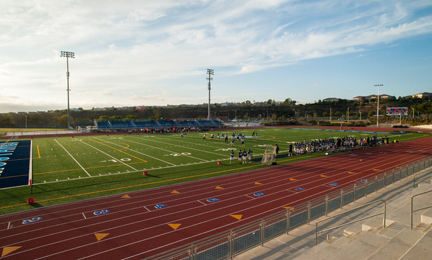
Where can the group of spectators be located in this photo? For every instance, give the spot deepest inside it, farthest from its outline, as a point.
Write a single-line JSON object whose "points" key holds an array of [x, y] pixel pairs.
{"points": [[334, 144]]}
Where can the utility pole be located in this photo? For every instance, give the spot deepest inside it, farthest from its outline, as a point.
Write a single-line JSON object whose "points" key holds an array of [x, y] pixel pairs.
{"points": [[68, 55], [209, 72], [378, 85]]}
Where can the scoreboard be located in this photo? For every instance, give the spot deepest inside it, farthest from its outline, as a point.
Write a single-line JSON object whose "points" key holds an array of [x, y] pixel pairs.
{"points": [[393, 111]]}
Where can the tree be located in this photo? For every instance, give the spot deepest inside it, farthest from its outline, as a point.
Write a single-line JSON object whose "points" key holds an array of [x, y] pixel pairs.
{"points": [[115, 117], [326, 114], [338, 114], [131, 117], [103, 118], [34, 118], [371, 113], [7, 119], [63, 120]]}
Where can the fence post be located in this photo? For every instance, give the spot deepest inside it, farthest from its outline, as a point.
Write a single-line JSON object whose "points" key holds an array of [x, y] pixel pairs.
{"points": [[308, 212], [400, 173], [393, 175], [385, 180], [262, 232], [326, 205], [355, 191], [366, 188], [341, 195], [288, 221], [190, 252], [376, 183]]}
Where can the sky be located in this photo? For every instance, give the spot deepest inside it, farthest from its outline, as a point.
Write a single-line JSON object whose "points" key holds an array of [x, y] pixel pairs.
{"points": [[144, 53]]}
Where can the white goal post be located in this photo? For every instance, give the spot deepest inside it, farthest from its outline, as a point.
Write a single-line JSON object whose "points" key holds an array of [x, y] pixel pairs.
{"points": [[269, 156]]}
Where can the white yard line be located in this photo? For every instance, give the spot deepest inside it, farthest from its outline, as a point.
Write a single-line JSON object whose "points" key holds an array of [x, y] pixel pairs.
{"points": [[73, 158], [229, 147], [109, 155], [137, 152], [169, 150]]}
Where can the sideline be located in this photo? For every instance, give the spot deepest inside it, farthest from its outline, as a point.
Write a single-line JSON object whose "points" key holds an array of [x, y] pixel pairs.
{"points": [[132, 186]]}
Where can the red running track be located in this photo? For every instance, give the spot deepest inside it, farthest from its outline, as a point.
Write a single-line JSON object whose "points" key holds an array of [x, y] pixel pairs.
{"points": [[132, 228]]}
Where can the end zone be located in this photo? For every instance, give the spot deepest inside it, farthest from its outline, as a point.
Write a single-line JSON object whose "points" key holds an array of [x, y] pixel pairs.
{"points": [[15, 164]]}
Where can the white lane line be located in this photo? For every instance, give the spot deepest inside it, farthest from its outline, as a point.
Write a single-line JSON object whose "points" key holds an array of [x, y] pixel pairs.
{"points": [[202, 202], [84, 216], [109, 155], [249, 197], [146, 208], [8, 225], [73, 158]]}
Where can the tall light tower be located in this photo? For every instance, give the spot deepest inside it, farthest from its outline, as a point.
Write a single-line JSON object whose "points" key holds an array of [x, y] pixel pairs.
{"points": [[68, 55], [378, 85], [209, 72]]}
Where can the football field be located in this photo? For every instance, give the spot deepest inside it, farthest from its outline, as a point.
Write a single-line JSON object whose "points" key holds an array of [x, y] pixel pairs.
{"points": [[67, 169]]}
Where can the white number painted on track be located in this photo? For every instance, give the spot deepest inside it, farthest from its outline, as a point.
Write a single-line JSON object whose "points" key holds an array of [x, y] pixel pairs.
{"points": [[100, 212], [26, 221], [118, 160]]}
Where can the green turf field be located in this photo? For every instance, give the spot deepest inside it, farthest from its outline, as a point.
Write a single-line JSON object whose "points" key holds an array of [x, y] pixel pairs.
{"points": [[68, 169]]}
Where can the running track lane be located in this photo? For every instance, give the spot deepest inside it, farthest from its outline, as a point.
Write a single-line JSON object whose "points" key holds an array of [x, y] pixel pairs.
{"points": [[137, 230]]}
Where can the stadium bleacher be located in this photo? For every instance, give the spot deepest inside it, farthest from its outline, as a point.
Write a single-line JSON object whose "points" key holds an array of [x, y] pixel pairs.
{"points": [[156, 124]]}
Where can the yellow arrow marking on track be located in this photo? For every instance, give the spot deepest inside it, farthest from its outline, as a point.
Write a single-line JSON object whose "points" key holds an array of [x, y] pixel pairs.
{"points": [[351, 172], [175, 192], [218, 188], [257, 183], [237, 216], [174, 226], [377, 170], [126, 197], [324, 176], [100, 236], [290, 208], [9, 249], [291, 179]]}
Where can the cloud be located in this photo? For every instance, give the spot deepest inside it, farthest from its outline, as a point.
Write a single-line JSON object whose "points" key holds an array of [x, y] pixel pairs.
{"points": [[123, 49]]}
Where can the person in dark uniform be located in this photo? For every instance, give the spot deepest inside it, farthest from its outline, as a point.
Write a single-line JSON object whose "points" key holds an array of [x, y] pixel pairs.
{"points": [[277, 150]]}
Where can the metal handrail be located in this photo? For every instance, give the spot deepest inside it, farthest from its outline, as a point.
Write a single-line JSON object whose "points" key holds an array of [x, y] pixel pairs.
{"points": [[362, 206], [412, 206]]}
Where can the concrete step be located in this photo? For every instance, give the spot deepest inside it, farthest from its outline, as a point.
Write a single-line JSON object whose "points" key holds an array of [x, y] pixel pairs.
{"points": [[322, 249], [360, 247], [397, 246], [421, 250], [426, 217]]}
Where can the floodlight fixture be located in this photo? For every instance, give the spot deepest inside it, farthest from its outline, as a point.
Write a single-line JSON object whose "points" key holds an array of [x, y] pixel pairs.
{"points": [[68, 55]]}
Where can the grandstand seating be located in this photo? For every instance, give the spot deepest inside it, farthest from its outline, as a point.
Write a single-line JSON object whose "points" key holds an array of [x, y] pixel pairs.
{"points": [[157, 124]]}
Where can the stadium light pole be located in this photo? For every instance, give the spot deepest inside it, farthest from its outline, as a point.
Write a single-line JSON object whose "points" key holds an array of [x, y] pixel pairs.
{"points": [[378, 85], [209, 72], [68, 55]]}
